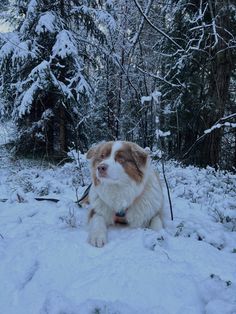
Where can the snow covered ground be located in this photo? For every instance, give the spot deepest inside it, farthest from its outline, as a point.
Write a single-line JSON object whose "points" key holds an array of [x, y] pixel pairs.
{"points": [[47, 266]]}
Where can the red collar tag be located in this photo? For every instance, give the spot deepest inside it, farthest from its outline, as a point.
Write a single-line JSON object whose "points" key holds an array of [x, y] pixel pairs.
{"points": [[120, 217]]}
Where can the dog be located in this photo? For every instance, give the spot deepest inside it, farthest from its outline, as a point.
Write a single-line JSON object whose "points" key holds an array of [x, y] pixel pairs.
{"points": [[125, 189]]}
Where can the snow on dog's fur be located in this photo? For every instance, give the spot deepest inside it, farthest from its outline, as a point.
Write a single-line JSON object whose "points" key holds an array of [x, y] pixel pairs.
{"points": [[123, 181]]}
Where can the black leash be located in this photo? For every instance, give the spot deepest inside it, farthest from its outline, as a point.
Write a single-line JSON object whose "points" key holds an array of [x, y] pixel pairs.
{"points": [[55, 200], [168, 190], [86, 192]]}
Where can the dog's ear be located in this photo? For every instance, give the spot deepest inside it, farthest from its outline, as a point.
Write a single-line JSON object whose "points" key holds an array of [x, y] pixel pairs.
{"points": [[140, 155], [91, 152]]}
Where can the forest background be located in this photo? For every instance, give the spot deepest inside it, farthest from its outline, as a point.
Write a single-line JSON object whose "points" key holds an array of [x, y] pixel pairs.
{"points": [[157, 72]]}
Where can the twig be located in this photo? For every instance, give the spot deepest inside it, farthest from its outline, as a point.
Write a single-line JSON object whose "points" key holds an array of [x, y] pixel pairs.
{"points": [[160, 78], [20, 198]]}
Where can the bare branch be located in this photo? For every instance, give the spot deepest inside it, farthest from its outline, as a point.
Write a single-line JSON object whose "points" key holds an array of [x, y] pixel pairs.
{"points": [[217, 125], [156, 28], [159, 78], [135, 38]]}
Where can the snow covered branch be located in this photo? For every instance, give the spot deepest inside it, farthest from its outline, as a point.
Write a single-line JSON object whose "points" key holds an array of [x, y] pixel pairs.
{"points": [[216, 126]]}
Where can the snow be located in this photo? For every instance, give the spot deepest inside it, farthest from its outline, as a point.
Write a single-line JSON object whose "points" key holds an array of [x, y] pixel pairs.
{"points": [[220, 125], [7, 130], [47, 266], [155, 96], [100, 16], [46, 23], [65, 45], [145, 99], [82, 85], [106, 19], [22, 52], [160, 133], [31, 13], [27, 99], [40, 71], [12, 41], [36, 80]]}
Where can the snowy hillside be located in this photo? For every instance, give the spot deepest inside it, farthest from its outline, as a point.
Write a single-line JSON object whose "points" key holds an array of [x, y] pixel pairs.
{"points": [[47, 266]]}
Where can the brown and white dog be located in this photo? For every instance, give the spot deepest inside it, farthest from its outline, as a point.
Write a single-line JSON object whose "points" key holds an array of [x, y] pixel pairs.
{"points": [[125, 187]]}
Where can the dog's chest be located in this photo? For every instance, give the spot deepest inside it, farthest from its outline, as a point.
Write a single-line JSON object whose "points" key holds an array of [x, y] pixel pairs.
{"points": [[119, 197]]}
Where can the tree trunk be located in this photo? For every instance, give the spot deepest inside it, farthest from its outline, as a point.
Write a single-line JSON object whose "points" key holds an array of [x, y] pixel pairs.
{"points": [[218, 92], [62, 130]]}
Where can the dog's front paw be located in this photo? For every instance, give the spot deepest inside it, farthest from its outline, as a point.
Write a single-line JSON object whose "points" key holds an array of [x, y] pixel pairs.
{"points": [[98, 239]]}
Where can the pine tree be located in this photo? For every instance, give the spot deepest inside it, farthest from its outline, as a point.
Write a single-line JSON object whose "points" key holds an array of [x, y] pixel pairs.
{"points": [[51, 63]]}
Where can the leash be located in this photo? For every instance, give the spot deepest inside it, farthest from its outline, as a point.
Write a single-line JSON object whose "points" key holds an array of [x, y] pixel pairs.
{"points": [[167, 188], [119, 217], [85, 194], [55, 200]]}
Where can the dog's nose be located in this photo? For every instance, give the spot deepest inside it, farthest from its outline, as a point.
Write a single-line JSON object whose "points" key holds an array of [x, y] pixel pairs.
{"points": [[102, 169]]}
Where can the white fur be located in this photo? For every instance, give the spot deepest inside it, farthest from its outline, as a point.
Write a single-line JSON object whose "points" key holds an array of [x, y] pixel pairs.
{"points": [[115, 171], [118, 192], [98, 231]]}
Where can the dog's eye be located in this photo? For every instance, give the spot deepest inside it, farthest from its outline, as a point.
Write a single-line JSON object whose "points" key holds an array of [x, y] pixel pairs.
{"points": [[121, 158], [102, 156]]}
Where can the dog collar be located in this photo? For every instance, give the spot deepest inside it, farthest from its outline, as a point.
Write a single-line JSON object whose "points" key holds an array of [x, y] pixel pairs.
{"points": [[120, 217]]}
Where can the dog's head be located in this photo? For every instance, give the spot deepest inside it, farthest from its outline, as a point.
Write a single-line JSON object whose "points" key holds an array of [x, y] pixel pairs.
{"points": [[117, 162]]}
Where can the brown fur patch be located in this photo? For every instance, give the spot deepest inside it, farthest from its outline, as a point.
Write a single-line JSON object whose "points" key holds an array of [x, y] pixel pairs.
{"points": [[102, 152], [98, 154], [91, 214], [139, 154], [91, 152], [96, 181], [131, 156], [133, 159]]}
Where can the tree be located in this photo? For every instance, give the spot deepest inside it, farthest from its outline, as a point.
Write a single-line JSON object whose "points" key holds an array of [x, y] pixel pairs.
{"points": [[50, 64], [77, 72], [198, 61]]}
